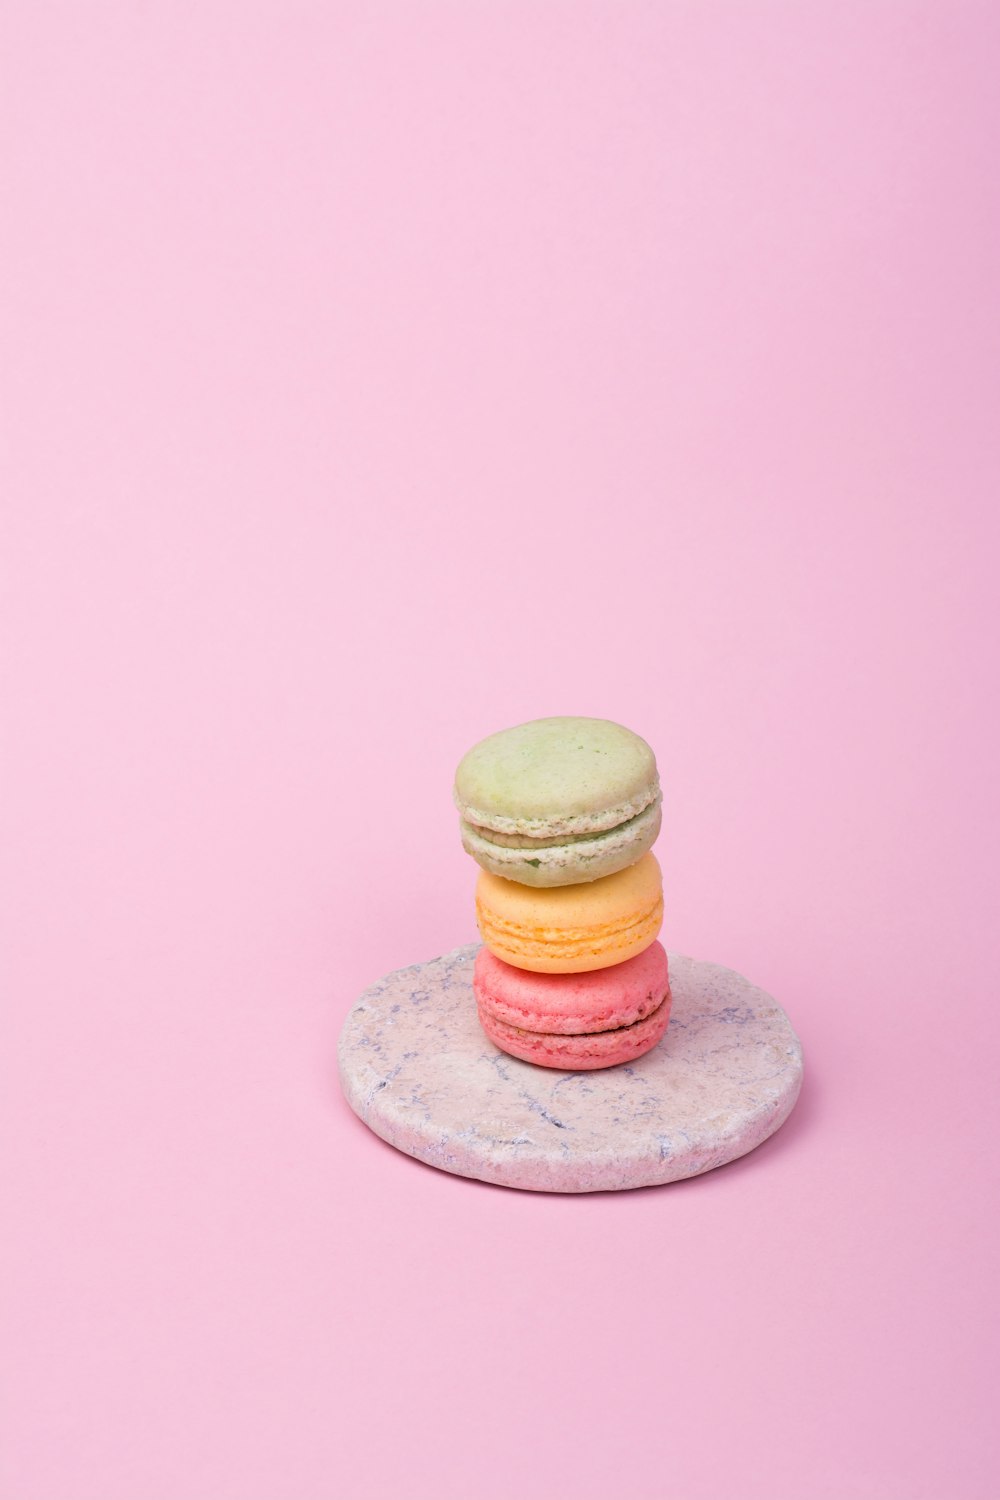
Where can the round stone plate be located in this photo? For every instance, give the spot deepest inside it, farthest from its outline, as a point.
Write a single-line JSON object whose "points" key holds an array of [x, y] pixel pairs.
{"points": [[418, 1069]]}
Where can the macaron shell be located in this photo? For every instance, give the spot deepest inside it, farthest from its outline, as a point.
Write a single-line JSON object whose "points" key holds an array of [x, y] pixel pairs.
{"points": [[557, 775], [575, 928], [570, 863], [571, 1004], [580, 1053]]}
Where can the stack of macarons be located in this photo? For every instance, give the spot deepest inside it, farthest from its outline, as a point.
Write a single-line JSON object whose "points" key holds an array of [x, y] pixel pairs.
{"points": [[561, 814]]}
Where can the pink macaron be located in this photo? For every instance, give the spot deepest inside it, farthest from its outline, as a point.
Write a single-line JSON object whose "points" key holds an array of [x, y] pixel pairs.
{"points": [[575, 1021]]}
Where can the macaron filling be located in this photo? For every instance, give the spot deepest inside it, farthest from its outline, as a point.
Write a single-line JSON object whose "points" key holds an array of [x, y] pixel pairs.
{"points": [[583, 1050], [602, 1031], [557, 826], [530, 841]]}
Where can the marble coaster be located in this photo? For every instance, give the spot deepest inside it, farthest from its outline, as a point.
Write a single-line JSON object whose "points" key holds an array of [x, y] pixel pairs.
{"points": [[417, 1068]]}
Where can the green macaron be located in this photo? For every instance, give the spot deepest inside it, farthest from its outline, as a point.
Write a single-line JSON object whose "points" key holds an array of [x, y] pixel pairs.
{"points": [[558, 801]]}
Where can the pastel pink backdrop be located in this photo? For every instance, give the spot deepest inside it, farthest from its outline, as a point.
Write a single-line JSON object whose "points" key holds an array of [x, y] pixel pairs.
{"points": [[375, 376]]}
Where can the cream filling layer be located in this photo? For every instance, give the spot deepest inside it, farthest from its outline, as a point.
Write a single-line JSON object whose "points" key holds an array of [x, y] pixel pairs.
{"points": [[561, 829], [611, 1018], [565, 1037], [529, 844]]}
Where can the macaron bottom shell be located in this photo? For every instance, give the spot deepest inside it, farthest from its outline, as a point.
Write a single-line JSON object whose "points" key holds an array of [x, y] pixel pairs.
{"points": [[582, 1051]]}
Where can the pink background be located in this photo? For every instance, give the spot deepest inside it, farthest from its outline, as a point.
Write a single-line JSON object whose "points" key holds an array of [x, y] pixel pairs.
{"points": [[376, 376]]}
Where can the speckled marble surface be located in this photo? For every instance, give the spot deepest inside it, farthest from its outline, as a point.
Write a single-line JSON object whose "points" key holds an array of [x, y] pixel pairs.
{"points": [[419, 1071]]}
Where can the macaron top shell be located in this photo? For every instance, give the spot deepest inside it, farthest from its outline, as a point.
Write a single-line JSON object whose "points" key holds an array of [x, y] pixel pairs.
{"points": [[556, 776]]}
